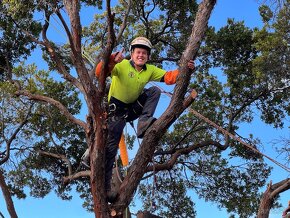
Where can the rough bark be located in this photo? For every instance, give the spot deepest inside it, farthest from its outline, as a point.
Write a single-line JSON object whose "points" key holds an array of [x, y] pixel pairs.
{"points": [[267, 200], [7, 197], [95, 135]]}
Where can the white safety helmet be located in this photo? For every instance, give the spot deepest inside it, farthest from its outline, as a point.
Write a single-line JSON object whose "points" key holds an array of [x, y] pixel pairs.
{"points": [[141, 42]]}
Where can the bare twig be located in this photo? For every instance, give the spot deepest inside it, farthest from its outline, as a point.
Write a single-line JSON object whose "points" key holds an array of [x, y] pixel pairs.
{"points": [[10, 140]]}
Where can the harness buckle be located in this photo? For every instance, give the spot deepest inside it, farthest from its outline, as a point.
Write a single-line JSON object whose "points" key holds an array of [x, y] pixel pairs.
{"points": [[112, 107]]}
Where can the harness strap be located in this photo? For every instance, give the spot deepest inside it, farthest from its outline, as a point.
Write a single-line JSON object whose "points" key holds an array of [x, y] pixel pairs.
{"points": [[117, 109]]}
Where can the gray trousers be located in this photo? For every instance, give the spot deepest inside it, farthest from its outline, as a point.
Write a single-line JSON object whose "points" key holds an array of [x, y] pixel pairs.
{"points": [[143, 108]]}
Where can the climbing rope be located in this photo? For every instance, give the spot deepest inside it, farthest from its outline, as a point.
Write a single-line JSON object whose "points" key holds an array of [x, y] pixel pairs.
{"points": [[226, 133]]}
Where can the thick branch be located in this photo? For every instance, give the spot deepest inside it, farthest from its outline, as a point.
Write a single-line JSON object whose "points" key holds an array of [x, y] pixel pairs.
{"points": [[198, 31], [280, 187], [77, 175], [67, 31], [58, 156], [55, 103], [182, 151], [269, 195], [109, 47], [73, 10], [91, 95], [124, 23], [7, 196]]}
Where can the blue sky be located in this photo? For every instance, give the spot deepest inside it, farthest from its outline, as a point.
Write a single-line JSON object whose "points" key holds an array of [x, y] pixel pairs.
{"points": [[52, 207]]}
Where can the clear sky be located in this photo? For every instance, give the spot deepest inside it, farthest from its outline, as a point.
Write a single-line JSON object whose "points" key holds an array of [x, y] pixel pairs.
{"points": [[52, 207]]}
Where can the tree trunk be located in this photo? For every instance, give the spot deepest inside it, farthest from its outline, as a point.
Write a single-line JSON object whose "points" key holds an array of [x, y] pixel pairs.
{"points": [[7, 196], [101, 209], [265, 204], [269, 195]]}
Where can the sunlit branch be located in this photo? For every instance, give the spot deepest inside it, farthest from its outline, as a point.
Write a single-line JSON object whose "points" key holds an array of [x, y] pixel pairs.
{"points": [[58, 156], [55, 103], [124, 23], [182, 151]]}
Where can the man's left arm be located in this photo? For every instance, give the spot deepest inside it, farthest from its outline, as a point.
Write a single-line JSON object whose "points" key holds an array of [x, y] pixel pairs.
{"points": [[170, 76]]}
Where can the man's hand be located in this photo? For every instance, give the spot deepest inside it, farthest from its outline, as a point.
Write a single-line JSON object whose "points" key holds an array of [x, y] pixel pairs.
{"points": [[119, 56], [191, 65]]}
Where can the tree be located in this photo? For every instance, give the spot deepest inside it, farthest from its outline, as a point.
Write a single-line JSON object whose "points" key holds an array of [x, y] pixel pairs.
{"points": [[191, 156], [274, 47]]}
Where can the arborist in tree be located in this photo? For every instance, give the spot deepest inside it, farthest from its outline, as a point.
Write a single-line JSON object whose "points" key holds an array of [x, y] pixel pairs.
{"points": [[128, 99]]}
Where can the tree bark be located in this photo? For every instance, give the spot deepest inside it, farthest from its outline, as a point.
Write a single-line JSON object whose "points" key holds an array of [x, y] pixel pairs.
{"points": [[7, 196], [269, 195]]}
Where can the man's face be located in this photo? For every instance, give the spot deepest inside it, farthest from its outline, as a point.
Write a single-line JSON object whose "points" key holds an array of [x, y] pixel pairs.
{"points": [[139, 56]]}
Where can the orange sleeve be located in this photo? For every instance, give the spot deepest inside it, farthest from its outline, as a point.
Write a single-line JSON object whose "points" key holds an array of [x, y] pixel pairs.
{"points": [[123, 151], [112, 64], [170, 77]]}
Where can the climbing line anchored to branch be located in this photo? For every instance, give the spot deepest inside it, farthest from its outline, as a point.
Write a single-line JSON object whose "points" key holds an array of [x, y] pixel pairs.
{"points": [[227, 133]]}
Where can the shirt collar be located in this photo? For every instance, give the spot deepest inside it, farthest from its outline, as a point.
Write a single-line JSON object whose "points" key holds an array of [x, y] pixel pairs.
{"points": [[132, 64]]}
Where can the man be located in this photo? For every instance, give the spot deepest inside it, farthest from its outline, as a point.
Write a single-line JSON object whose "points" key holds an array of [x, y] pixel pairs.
{"points": [[128, 100]]}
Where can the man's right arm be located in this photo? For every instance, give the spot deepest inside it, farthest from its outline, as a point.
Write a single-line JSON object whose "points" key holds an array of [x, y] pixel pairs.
{"points": [[113, 60], [112, 64]]}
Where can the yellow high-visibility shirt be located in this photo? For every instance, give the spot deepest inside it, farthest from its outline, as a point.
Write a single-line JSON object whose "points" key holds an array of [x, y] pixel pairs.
{"points": [[128, 83]]}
